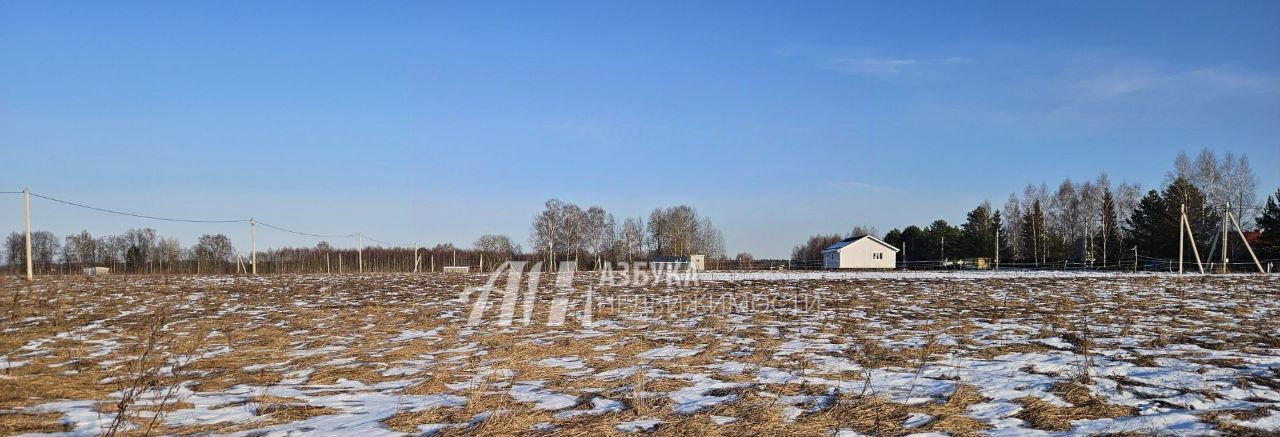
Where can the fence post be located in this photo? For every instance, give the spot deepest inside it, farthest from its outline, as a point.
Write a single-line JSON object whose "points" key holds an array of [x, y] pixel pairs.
{"points": [[26, 206], [253, 245]]}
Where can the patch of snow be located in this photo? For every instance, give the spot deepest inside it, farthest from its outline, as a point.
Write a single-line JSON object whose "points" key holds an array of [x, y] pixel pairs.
{"points": [[668, 352], [543, 399], [639, 425]]}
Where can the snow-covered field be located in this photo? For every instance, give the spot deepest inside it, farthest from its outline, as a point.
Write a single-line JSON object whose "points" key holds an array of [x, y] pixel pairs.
{"points": [[813, 354]]}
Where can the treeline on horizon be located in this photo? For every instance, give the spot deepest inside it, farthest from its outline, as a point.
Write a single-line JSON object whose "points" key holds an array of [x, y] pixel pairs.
{"points": [[561, 232], [1089, 223], [1092, 223]]}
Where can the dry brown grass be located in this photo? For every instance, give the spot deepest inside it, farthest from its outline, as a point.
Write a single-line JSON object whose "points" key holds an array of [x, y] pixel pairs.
{"points": [[21, 423], [256, 318], [1084, 405]]}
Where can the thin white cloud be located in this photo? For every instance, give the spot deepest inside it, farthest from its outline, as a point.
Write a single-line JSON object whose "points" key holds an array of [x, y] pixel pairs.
{"points": [[865, 186], [874, 67], [1120, 83], [1215, 80], [1235, 79]]}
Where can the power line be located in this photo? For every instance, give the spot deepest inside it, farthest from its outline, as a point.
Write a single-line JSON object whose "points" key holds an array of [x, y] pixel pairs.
{"points": [[303, 233], [278, 228], [386, 243], [137, 215]]}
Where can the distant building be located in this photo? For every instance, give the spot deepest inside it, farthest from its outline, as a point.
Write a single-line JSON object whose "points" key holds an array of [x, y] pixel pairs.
{"points": [[863, 252], [695, 262], [1252, 237], [95, 271]]}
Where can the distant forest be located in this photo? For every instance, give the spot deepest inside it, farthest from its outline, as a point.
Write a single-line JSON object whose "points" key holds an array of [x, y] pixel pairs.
{"points": [[1090, 224], [1094, 223]]}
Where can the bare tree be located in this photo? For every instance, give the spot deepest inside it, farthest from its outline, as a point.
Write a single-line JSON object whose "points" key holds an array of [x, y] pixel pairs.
{"points": [[497, 248], [44, 250], [168, 252], [1012, 227], [1239, 187], [547, 231], [710, 241], [860, 230], [80, 249], [216, 250], [632, 238], [1127, 197]]}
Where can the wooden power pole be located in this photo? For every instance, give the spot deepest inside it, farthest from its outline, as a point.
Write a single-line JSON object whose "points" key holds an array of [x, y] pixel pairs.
{"points": [[253, 245], [1183, 233], [26, 206], [1182, 236], [997, 264], [1225, 260]]}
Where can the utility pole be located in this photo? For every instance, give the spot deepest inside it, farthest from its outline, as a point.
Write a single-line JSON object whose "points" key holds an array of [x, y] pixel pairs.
{"points": [[942, 251], [997, 266], [1182, 236], [253, 245], [1186, 229], [1245, 241], [360, 252], [26, 206], [1225, 214]]}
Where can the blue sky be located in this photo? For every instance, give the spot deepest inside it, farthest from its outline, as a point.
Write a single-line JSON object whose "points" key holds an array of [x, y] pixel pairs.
{"points": [[420, 122]]}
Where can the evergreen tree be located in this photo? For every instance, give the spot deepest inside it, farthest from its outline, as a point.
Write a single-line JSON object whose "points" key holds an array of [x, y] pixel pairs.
{"points": [[910, 244], [1148, 227], [1002, 241], [977, 237], [940, 240], [1269, 224], [1203, 218], [1154, 225], [1032, 239], [894, 238]]}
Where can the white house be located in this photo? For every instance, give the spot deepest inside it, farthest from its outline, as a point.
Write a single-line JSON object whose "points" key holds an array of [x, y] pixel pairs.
{"points": [[863, 252], [96, 271], [691, 262]]}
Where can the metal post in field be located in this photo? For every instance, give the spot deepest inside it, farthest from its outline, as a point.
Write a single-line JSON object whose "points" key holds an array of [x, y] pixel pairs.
{"points": [[1186, 224], [1182, 236], [1225, 215], [26, 206], [360, 252], [253, 245], [1246, 243]]}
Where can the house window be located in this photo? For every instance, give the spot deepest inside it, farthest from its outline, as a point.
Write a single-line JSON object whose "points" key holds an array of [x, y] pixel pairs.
{"points": [[877, 255]]}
